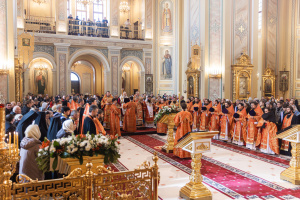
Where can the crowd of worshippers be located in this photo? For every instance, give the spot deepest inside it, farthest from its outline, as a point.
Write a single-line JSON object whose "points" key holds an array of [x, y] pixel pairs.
{"points": [[253, 123], [93, 28]]}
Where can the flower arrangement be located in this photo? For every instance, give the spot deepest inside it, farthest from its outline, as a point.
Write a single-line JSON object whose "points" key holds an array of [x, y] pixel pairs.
{"points": [[165, 111], [77, 147]]}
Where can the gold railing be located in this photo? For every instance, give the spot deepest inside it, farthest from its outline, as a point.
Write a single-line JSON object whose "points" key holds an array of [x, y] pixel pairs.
{"points": [[141, 183]]}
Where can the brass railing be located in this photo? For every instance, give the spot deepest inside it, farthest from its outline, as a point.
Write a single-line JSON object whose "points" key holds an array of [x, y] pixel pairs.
{"points": [[141, 183]]}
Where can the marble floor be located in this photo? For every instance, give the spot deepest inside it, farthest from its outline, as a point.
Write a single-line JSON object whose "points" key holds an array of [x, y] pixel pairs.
{"points": [[229, 172]]}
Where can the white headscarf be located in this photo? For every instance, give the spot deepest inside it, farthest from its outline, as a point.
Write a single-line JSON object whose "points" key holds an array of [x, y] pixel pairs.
{"points": [[68, 126], [44, 106], [18, 116], [33, 131]]}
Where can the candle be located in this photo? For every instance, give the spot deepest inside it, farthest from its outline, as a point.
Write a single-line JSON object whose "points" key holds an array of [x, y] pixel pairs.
{"points": [[17, 142], [9, 144], [14, 147]]}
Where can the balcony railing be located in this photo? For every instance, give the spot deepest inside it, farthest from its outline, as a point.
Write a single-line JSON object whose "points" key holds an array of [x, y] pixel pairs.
{"points": [[88, 28], [40, 24]]}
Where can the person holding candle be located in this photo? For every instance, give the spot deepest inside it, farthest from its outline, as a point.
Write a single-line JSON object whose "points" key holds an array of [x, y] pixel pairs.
{"points": [[29, 150]]}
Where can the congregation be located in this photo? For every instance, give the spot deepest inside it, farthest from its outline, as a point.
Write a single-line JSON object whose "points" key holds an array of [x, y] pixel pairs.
{"points": [[253, 123]]}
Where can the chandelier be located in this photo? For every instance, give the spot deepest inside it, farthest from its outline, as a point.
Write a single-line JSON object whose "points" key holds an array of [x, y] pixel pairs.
{"points": [[40, 1], [86, 2], [124, 7]]}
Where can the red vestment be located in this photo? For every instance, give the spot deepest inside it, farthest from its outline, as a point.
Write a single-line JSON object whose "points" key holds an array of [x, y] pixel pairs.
{"points": [[115, 121], [286, 123], [129, 124], [183, 121], [205, 118]]}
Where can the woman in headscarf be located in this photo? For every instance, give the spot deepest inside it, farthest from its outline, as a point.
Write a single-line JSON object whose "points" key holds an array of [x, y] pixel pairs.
{"points": [[67, 129], [30, 145]]}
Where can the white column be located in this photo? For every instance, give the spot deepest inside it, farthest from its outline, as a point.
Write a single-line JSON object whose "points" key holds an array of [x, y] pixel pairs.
{"points": [[63, 73], [61, 17], [114, 58]]}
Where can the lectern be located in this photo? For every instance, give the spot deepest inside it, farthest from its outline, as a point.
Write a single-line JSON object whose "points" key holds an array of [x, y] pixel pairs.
{"points": [[169, 120], [196, 143], [292, 134]]}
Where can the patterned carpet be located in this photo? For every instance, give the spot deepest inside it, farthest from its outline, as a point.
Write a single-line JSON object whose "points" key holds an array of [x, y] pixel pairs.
{"points": [[235, 172]]}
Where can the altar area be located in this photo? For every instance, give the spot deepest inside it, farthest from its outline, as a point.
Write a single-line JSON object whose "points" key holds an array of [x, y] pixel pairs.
{"points": [[229, 171]]}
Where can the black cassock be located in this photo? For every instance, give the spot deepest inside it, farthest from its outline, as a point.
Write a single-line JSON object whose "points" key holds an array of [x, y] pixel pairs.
{"points": [[295, 120], [81, 111], [89, 126], [54, 127], [41, 122], [26, 120]]}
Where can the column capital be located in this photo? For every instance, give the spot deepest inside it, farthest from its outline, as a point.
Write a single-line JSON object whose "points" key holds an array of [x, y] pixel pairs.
{"points": [[62, 44], [114, 48]]}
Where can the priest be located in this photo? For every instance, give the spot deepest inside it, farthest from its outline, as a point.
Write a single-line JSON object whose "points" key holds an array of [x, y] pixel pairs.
{"points": [[129, 124], [149, 109], [226, 122], [140, 113], [253, 117], [115, 113], [89, 124], [105, 105], [239, 125], [183, 121], [289, 119], [205, 115], [214, 123], [162, 128], [196, 114]]}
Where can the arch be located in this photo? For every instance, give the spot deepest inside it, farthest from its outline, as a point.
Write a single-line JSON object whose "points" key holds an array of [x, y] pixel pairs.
{"points": [[98, 55], [45, 56], [133, 59]]}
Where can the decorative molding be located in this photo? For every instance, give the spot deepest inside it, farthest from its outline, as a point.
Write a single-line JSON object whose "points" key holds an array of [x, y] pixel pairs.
{"points": [[148, 54], [114, 13], [104, 51], [19, 8], [148, 65], [62, 74], [73, 49], [45, 49], [62, 10], [148, 14], [114, 52], [135, 53], [93, 42], [115, 74]]}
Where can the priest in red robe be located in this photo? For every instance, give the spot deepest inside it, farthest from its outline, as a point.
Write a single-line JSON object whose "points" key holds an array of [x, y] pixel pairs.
{"points": [[115, 114], [129, 124]]}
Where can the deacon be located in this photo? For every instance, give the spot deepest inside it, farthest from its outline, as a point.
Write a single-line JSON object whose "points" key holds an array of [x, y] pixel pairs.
{"points": [[196, 115], [89, 124], [183, 121], [140, 113], [253, 117], [115, 113], [129, 124], [214, 123], [239, 125], [205, 115], [226, 122], [266, 138], [289, 119], [105, 105]]}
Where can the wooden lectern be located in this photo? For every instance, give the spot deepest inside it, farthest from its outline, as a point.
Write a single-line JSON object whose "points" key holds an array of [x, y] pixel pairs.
{"points": [[292, 174], [196, 143], [169, 120]]}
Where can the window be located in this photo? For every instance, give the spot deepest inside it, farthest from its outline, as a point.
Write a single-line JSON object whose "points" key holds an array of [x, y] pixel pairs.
{"points": [[260, 15], [81, 11], [98, 11]]}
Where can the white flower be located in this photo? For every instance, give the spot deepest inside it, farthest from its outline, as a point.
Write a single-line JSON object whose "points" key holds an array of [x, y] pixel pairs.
{"points": [[88, 147], [82, 144], [74, 150]]}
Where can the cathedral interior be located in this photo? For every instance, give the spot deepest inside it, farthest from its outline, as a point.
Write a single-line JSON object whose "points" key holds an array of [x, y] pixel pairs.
{"points": [[236, 50]]}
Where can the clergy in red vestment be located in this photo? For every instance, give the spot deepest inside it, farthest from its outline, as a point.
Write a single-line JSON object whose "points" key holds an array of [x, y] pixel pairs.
{"points": [[105, 105], [226, 122], [140, 114], [189, 106], [183, 121], [129, 124], [196, 114], [288, 120], [161, 127], [239, 125], [214, 123], [254, 116], [99, 128], [74, 103], [149, 109], [205, 115], [266, 138], [89, 123], [115, 114]]}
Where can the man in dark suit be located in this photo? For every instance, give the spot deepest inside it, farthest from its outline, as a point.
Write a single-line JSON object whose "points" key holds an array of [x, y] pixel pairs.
{"points": [[89, 124]]}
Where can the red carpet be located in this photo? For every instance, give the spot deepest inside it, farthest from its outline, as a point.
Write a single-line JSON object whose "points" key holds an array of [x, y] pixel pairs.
{"points": [[226, 179], [141, 131]]}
